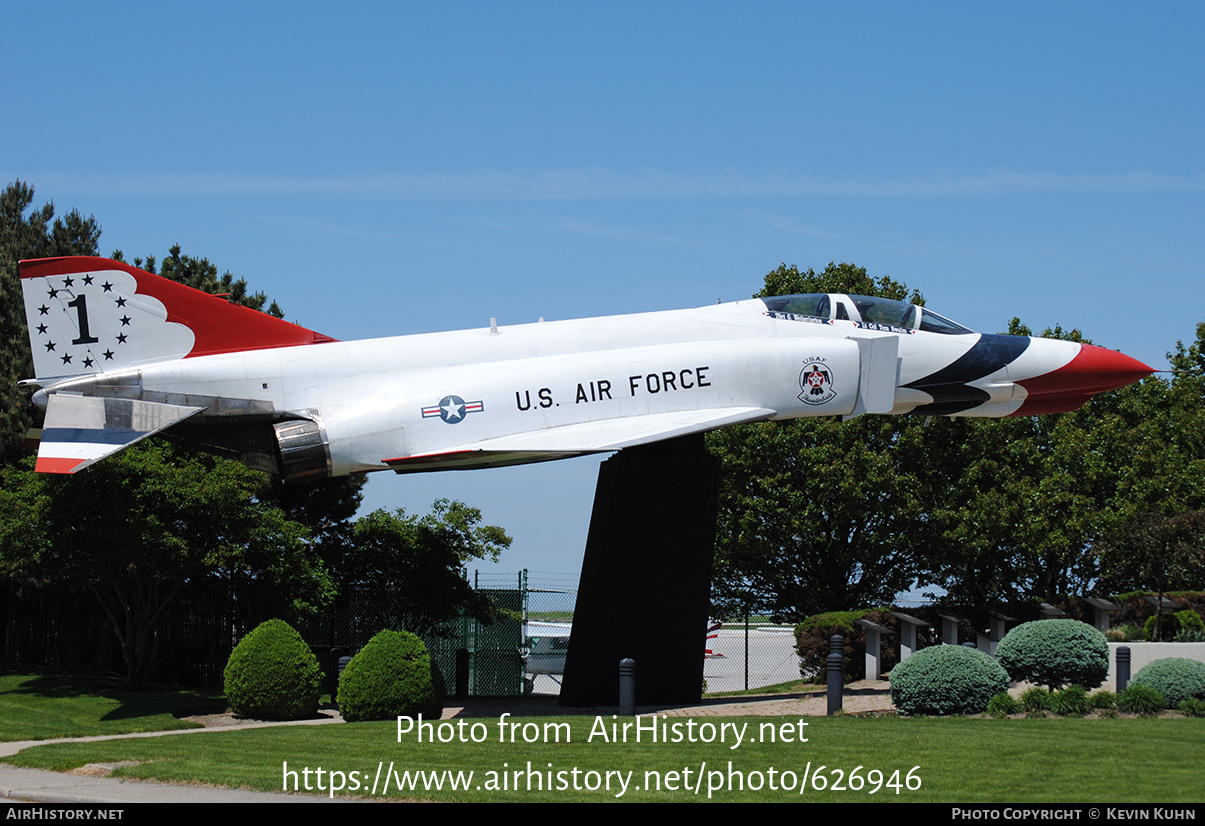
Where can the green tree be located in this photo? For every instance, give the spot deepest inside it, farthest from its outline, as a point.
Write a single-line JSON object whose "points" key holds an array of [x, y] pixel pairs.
{"points": [[135, 529], [26, 233], [1158, 552], [1020, 501], [200, 274], [972, 501], [1153, 533], [418, 562], [1013, 504], [815, 514], [106, 550], [1188, 363], [836, 278]]}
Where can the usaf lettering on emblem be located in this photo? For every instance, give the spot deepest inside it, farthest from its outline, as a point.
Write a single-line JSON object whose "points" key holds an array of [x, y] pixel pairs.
{"points": [[816, 382]]}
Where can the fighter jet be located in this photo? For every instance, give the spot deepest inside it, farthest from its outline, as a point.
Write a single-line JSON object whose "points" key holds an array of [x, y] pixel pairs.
{"points": [[121, 354]]}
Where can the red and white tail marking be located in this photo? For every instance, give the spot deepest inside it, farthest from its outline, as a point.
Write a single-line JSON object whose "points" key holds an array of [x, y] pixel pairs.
{"points": [[89, 315]]}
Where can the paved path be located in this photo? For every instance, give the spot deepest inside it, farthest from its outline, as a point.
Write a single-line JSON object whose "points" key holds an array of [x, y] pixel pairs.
{"points": [[90, 786]]}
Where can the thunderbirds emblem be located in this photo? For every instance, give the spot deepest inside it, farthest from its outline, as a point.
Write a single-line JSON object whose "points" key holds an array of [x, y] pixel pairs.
{"points": [[816, 382]]}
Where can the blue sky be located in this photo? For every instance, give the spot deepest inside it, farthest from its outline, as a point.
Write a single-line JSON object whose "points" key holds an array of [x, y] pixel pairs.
{"points": [[401, 168]]}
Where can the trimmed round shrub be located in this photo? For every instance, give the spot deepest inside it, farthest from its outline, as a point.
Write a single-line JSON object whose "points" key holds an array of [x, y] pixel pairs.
{"points": [[1190, 620], [392, 676], [1168, 628], [1176, 678], [946, 679], [273, 675], [1055, 653], [1140, 699]]}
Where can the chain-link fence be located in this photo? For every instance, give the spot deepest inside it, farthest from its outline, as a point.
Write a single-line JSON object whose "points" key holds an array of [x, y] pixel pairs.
{"points": [[551, 599], [743, 655], [737, 657], [523, 653]]}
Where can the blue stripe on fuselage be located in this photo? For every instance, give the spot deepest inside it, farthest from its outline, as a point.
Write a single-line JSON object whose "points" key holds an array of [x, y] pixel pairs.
{"points": [[950, 387]]}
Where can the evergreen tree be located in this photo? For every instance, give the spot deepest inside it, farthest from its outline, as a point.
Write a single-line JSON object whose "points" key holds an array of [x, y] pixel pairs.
{"points": [[26, 233]]}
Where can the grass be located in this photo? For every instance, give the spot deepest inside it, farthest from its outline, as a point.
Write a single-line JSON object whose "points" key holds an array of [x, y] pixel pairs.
{"points": [[958, 759], [45, 706]]}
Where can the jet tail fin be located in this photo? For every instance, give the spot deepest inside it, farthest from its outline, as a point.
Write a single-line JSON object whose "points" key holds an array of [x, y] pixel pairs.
{"points": [[82, 430], [89, 315]]}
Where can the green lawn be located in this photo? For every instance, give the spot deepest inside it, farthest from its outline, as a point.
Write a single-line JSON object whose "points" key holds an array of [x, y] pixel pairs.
{"points": [[44, 706], [956, 760]]}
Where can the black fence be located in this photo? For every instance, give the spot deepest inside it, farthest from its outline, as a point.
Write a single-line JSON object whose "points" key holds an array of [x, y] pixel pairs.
{"points": [[54, 628]]}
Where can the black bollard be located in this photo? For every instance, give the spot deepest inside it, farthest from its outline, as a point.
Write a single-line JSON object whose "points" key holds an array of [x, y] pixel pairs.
{"points": [[627, 686], [462, 673], [1123, 667], [836, 672]]}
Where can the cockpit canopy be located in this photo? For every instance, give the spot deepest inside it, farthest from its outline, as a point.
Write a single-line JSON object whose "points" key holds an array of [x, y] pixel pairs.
{"points": [[869, 311]]}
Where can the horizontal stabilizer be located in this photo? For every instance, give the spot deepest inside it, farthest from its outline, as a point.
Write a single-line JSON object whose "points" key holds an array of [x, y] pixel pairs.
{"points": [[80, 430], [580, 439]]}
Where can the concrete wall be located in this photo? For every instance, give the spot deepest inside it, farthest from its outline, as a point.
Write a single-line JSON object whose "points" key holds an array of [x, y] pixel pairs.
{"points": [[1142, 653]]}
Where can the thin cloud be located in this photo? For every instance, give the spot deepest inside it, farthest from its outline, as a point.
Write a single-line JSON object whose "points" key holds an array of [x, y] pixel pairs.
{"points": [[305, 227], [785, 225], [592, 183], [619, 233]]}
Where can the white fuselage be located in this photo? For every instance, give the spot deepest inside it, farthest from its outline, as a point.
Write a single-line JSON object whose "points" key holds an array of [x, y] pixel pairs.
{"points": [[521, 385], [122, 354]]}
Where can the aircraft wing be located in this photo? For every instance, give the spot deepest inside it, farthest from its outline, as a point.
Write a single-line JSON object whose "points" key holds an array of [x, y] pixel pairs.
{"points": [[581, 438], [82, 430]]}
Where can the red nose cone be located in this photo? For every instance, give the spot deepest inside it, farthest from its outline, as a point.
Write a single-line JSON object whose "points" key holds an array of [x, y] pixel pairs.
{"points": [[1093, 370]]}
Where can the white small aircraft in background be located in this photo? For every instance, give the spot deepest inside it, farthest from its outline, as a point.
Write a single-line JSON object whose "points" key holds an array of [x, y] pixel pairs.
{"points": [[121, 354]]}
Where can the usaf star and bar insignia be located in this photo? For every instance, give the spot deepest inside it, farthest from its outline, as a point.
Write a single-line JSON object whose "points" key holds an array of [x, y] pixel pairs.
{"points": [[453, 409]]}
